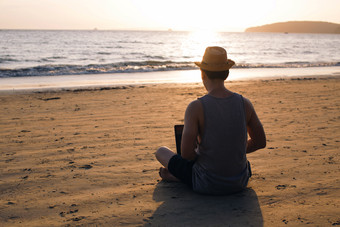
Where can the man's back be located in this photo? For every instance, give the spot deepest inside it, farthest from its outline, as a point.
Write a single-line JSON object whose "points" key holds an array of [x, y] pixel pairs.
{"points": [[221, 156], [223, 147]]}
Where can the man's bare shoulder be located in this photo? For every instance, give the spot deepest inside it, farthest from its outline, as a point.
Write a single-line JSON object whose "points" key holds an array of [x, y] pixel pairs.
{"points": [[247, 101], [195, 103], [194, 110], [195, 106], [249, 108]]}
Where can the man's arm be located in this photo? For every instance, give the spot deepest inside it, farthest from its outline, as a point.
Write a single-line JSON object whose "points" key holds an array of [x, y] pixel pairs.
{"points": [[255, 129], [191, 130]]}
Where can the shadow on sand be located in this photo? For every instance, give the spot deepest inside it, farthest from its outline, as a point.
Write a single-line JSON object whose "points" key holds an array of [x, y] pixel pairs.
{"points": [[182, 207]]}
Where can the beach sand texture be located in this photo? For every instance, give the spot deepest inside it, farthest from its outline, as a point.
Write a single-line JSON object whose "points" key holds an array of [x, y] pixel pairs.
{"points": [[86, 156]]}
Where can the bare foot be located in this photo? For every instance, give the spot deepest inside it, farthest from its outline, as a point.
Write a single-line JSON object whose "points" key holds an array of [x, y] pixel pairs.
{"points": [[166, 175]]}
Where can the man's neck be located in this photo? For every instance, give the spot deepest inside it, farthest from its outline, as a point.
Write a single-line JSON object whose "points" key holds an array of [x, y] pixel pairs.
{"points": [[217, 89]]}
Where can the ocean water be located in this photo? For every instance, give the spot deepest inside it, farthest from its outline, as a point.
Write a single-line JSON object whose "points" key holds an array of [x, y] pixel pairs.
{"points": [[32, 53]]}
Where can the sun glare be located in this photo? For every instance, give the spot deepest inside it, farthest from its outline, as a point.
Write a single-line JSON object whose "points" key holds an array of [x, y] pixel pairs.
{"points": [[204, 37], [197, 41]]}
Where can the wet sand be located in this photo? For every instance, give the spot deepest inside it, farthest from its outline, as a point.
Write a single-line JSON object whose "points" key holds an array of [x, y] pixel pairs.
{"points": [[86, 156]]}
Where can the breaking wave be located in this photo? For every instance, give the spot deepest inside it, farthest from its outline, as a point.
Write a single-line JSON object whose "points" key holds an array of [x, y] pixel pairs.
{"points": [[133, 67]]}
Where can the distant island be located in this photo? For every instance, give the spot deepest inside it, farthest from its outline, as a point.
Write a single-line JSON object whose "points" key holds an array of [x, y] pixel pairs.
{"points": [[298, 27]]}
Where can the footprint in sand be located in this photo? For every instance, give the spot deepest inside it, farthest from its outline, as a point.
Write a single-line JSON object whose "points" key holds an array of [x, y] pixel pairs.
{"points": [[281, 186], [85, 167]]}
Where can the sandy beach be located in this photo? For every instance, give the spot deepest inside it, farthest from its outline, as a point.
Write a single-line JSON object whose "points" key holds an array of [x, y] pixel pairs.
{"points": [[86, 157]]}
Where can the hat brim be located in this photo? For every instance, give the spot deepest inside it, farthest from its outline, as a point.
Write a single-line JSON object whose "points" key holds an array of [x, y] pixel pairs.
{"points": [[216, 67]]}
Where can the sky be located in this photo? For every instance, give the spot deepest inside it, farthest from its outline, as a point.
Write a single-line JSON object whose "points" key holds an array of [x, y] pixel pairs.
{"points": [[183, 15]]}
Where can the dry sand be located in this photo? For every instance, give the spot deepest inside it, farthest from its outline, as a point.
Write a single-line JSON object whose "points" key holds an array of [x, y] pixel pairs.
{"points": [[82, 157]]}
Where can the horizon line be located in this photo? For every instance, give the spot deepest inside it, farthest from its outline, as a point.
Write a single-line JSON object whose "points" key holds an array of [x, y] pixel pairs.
{"points": [[98, 29], [154, 30]]}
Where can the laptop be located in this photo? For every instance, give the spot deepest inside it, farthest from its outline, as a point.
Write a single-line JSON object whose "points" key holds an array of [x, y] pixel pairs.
{"points": [[178, 137]]}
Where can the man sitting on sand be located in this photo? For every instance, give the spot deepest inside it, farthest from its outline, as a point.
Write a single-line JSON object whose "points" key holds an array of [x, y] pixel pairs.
{"points": [[214, 141]]}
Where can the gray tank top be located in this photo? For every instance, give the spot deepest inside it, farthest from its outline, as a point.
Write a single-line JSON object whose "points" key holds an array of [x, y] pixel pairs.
{"points": [[221, 165]]}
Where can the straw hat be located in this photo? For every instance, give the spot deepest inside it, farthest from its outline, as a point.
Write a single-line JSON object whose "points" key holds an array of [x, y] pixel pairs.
{"points": [[215, 59]]}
